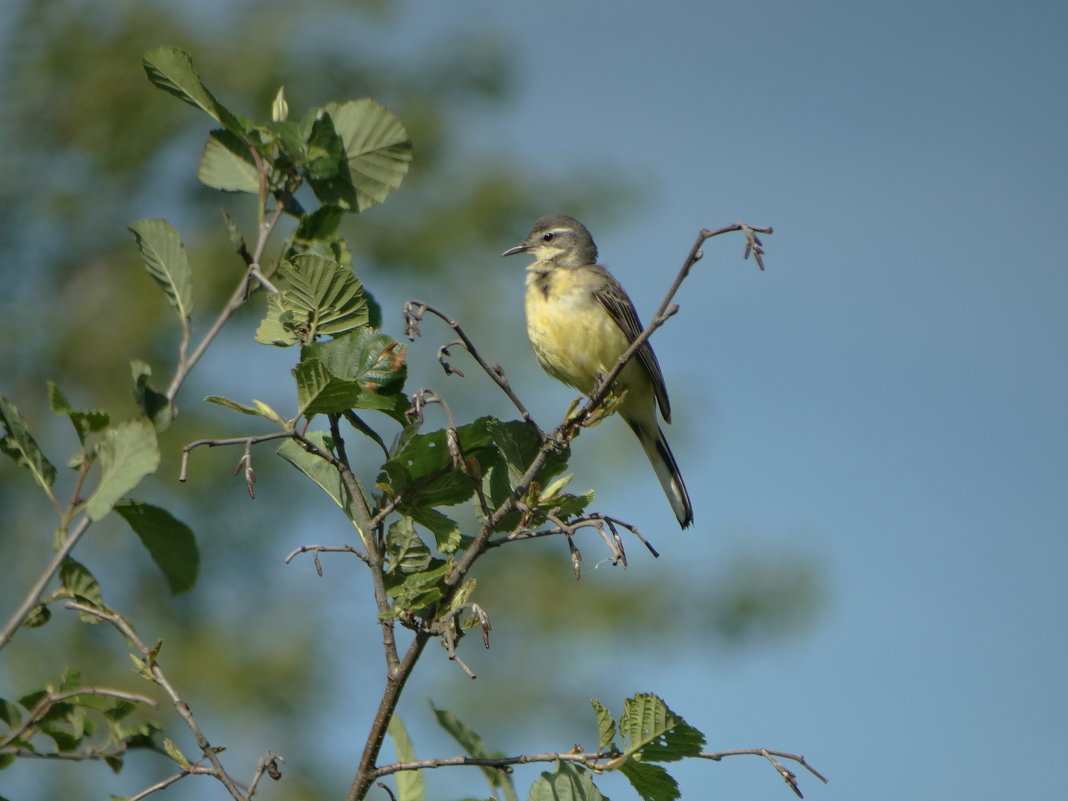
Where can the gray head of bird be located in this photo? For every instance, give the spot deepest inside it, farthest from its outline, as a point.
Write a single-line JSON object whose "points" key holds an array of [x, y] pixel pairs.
{"points": [[560, 239]]}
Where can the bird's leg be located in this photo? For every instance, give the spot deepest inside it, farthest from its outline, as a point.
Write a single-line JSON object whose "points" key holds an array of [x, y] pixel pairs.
{"points": [[606, 408]]}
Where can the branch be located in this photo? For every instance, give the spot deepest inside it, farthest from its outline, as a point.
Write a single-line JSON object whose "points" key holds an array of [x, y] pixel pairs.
{"points": [[787, 775], [596, 762], [155, 672], [413, 314], [665, 311], [237, 299], [33, 597], [395, 681], [589, 760], [315, 550], [245, 461], [163, 785]]}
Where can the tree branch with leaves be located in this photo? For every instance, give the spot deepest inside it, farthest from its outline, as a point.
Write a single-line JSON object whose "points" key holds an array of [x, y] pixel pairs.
{"points": [[349, 380]]}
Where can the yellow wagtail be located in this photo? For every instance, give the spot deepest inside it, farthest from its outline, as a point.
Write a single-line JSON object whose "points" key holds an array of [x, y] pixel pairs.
{"points": [[580, 321]]}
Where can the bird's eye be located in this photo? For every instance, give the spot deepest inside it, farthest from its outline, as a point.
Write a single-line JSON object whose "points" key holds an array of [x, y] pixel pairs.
{"points": [[548, 237]]}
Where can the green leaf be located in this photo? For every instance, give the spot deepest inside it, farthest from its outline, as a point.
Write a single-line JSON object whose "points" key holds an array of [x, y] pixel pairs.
{"points": [[85, 422], [567, 782], [79, 584], [407, 553], [371, 366], [319, 224], [9, 713], [416, 593], [411, 428], [652, 730], [167, 262], [290, 135], [227, 164], [319, 392], [651, 782], [423, 473], [518, 444], [606, 727], [20, 445], [153, 404], [237, 239], [127, 453], [336, 249], [65, 742], [326, 150], [37, 617], [71, 679], [119, 709], [175, 753], [276, 328], [447, 535], [169, 542], [318, 296], [376, 360], [321, 473], [410, 783], [378, 154], [474, 746], [172, 70], [260, 409]]}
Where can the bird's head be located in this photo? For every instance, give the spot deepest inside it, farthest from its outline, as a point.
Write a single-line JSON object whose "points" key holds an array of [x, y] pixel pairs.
{"points": [[560, 239]]}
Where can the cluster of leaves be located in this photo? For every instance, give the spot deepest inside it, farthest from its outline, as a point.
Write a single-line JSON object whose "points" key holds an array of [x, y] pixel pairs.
{"points": [[90, 722]]}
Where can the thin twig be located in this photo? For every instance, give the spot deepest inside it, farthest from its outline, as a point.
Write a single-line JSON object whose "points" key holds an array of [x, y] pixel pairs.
{"points": [[237, 299], [664, 312], [269, 766], [151, 665], [248, 442], [770, 755], [318, 549], [413, 314], [33, 597], [163, 784]]}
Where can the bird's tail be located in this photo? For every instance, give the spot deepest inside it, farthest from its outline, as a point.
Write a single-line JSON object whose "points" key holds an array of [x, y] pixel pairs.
{"points": [[667, 469]]}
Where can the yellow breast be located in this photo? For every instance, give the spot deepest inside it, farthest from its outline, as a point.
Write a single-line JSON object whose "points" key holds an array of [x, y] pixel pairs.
{"points": [[572, 334]]}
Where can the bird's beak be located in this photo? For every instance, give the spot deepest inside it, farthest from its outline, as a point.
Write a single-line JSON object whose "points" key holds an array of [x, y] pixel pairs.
{"points": [[520, 248]]}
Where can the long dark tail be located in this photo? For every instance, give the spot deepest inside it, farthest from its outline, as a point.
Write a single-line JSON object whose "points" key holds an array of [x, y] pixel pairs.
{"points": [[667, 470]]}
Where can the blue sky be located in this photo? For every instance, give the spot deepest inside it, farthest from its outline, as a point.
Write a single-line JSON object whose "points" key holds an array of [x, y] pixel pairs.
{"points": [[889, 396]]}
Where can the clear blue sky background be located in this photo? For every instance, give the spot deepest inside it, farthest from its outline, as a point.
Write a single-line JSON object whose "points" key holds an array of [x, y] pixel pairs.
{"points": [[890, 395]]}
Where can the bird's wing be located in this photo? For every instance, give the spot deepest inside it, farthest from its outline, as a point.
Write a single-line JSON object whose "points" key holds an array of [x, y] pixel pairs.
{"points": [[619, 306]]}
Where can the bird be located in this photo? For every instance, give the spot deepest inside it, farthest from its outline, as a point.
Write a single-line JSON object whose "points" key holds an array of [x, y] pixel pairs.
{"points": [[580, 320]]}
